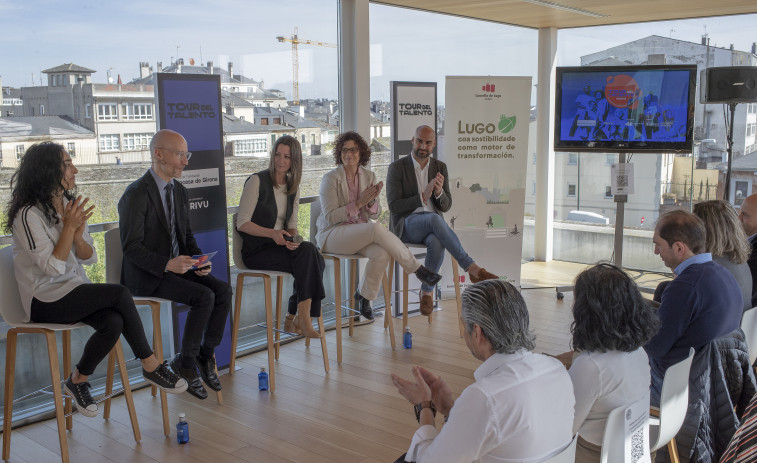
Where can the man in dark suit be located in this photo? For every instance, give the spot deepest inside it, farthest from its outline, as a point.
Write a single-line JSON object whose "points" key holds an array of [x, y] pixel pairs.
{"points": [[158, 244], [748, 217], [417, 189]]}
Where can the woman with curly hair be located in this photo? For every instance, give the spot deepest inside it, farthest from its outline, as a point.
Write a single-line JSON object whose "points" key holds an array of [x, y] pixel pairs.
{"points": [[726, 240], [50, 245], [349, 208], [611, 323]]}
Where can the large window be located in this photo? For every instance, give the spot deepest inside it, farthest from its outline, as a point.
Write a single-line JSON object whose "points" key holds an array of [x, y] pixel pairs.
{"points": [[137, 111], [19, 152], [137, 141], [109, 142], [107, 111], [250, 147], [71, 148]]}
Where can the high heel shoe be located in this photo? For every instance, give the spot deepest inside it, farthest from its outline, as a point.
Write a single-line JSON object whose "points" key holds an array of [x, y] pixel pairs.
{"points": [[303, 322], [289, 324]]}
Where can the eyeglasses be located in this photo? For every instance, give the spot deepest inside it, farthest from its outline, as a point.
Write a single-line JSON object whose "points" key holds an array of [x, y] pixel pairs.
{"points": [[181, 154], [350, 150]]}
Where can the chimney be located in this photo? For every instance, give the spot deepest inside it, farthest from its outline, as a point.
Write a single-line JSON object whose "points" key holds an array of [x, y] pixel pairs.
{"points": [[754, 48], [302, 111], [180, 61], [732, 47], [144, 69], [230, 109], [210, 67], [704, 40], [231, 70], [160, 66]]}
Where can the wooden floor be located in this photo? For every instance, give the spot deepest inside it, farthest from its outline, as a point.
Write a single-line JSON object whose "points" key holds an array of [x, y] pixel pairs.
{"points": [[352, 414]]}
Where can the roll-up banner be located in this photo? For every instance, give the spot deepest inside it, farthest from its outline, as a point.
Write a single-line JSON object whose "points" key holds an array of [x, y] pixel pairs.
{"points": [[191, 106], [485, 147], [413, 104]]}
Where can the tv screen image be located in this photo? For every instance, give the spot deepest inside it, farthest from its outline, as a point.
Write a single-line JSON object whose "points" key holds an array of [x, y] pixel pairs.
{"points": [[632, 108]]}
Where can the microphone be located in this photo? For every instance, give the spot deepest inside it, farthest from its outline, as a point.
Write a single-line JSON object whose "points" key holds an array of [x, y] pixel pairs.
{"points": [[296, 239]]}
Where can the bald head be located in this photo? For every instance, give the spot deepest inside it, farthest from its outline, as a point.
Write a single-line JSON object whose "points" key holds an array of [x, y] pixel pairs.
{"points": [[423, 142], [748, 214], [165, 137], [168, 150]]}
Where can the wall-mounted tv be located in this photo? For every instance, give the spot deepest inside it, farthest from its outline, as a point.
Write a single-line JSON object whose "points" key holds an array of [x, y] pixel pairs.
{"points": [[625, 108]]}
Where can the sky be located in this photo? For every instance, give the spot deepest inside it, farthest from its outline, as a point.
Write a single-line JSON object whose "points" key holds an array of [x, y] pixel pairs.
{"points": [[405, 44]]}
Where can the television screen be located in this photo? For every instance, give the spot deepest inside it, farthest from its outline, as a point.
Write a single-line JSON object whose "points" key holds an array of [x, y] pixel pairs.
{"points": [[625, 108]]}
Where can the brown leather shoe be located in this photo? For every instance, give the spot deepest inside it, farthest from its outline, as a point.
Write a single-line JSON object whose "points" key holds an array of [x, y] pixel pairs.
{"points": [[483, 274], [427, 304]]}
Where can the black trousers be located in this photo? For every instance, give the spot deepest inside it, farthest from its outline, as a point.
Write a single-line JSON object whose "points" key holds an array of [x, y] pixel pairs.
{"points": [[209, 301], [107, 308], [304, 263]]}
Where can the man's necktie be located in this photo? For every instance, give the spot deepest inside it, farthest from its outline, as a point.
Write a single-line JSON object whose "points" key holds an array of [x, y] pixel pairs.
{"points": [[172, 221]]}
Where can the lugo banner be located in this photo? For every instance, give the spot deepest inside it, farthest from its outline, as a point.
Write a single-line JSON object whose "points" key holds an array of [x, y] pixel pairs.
{"points": [[190, 104], [486, 147]]}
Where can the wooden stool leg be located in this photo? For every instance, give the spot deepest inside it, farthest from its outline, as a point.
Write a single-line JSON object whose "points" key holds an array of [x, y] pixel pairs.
{"points": [[405, 283], [322, 330], [235, 322], [109, 378], [157, 346], [10, 377], [119, 350], [353, 288], [52, 353], [673, 451], [338, 307], [458, 300], [66, 342], [277, 323], [269, 332], [388, 311]]}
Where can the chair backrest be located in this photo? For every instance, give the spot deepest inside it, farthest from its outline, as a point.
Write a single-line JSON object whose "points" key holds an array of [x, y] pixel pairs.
{"points": [[674, 400], [10, 303], [114, 256], [749, 327], [567, 455], [627, 429], [236, 244]]}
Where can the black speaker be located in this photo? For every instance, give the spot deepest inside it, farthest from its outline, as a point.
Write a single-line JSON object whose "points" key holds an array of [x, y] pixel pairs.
{"points": [[736, 84]]}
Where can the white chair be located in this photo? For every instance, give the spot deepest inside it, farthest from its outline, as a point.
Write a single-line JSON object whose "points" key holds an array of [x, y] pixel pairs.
{"points": [[405, 287], [567, 455], [113, 258], [674, 402], [315, 211], [749, 327], [626, 423], [272, 326], [13, 314]]}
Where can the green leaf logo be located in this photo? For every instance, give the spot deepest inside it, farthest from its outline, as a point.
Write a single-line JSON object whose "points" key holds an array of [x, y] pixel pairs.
{"points": [[506, 124]]}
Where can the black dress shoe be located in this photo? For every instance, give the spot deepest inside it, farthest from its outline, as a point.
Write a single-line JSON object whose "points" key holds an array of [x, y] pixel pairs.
{"points": [[427, 276], [194, 385], [364, 305], [207, 369]]}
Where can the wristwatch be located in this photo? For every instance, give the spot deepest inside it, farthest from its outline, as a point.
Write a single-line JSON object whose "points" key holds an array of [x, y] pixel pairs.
{"points": [[421, 406]]}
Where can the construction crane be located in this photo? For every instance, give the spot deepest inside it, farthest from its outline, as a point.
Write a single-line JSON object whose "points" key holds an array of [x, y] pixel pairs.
{"points": [[295, 40]]}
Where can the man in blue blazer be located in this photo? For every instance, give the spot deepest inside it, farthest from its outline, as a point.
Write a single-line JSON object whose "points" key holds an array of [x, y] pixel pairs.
{"points": [[417, 189], [158, 244]]}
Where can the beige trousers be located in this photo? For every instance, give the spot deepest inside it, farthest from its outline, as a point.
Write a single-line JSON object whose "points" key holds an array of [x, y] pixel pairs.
{"points": [[376, 243]]}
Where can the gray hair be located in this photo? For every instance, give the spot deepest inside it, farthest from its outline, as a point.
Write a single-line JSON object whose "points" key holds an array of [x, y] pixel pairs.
{"points": [[499, 309]]}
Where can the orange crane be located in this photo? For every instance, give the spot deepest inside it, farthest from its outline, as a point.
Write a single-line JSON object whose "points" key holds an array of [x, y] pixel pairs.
{"points": [[295, 40]]}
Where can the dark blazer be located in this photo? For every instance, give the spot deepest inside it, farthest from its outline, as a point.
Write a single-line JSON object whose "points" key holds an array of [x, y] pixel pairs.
{"points": [[752, 262], [145, 236], [402, 191]]}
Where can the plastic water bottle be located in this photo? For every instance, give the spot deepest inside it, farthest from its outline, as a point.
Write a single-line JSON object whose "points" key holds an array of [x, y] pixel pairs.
{"points": [[263, 380], [182, 430], [407, 339]]}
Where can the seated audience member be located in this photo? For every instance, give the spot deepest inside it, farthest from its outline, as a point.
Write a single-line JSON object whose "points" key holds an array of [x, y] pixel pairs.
{"points": [[702, 303], [349, 208], [158, 246], [267, 217], [610, 368], [743, 445], [748, 218], [727, 242], [417, 189], [519, 409], [50, 245]]}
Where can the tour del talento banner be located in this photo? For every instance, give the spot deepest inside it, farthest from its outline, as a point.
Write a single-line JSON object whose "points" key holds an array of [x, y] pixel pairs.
{"points": [[191, 105], [486, 148]]}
